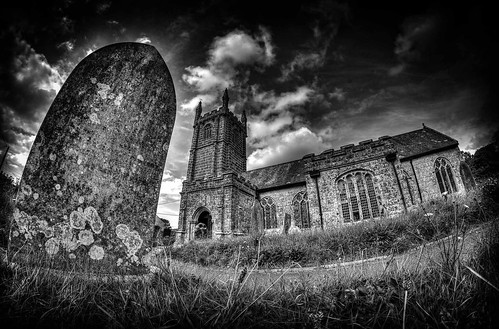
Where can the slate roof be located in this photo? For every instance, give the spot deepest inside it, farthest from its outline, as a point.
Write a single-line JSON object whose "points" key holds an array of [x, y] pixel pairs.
{"points": [[278, 175], [421, 142], [409, 145]]}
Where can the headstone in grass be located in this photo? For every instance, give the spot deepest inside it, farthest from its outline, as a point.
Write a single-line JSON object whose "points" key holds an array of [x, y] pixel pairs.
{"points": [[89, 191]]}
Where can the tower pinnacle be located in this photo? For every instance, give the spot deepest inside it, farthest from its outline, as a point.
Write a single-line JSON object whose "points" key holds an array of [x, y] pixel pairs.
{"points": [[199, 109], [225, 100]]}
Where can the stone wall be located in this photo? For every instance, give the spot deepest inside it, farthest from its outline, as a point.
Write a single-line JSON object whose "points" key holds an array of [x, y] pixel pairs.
{"points": [[283, 199], [425, 171], [368, 156], [228, 198]]}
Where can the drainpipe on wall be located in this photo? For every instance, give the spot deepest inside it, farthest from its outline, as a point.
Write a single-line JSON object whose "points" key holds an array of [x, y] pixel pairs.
{"points": [[315, 174], [417, 183], [391, 157]]}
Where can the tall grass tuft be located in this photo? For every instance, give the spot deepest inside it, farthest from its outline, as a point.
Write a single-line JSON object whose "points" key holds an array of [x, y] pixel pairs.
{"points": [[370, 238]]}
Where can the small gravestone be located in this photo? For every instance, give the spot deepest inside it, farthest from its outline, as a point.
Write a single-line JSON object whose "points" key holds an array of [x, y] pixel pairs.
{"points": [[89, 191]]}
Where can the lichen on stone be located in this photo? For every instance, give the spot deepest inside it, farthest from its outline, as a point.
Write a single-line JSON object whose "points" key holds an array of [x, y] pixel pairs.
{"points": [[64, 233], [103, 89], [52, 246], [26, 189], [118, 99], [44, 228], [86, 237], [133, 242], [22, 220], [131, 239], [93, 218], [96, 252], [94, 118], [77, 220], [122, 231]]}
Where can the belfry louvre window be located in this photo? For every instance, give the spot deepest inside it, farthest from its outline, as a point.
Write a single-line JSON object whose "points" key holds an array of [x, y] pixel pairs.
{"points": [[207, 132], [445, 177], [300, 210], [357, 196], [269, 213]]}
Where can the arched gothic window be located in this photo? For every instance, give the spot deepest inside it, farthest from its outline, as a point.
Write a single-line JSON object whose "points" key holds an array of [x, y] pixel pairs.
{"points": [[207, 131], [445, 177], [357, 196], [269, 213], [300, 210]]}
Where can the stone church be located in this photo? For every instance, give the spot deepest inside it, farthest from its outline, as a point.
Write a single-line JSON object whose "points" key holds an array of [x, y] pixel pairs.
{"points": [[373, 179]]}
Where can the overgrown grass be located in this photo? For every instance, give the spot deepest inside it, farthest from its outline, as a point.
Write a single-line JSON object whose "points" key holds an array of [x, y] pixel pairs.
{"points": [[447, 294], [362, 240]]}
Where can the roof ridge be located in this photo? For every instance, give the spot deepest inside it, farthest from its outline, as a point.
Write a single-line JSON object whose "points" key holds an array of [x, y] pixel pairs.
{"points": [[408, 132], [438, 132]]}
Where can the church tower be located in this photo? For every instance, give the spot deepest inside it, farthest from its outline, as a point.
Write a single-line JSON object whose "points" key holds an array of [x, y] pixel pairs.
{"points": [[218, 143], [216, 200]]}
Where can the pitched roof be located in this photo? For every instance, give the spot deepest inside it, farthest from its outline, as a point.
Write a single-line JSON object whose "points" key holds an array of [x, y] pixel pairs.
{"points": [[420, 142], [278, 175]]}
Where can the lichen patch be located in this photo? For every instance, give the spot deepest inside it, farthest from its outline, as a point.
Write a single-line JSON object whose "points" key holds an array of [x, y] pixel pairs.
{"points": [[96, 252], [52, 246], [94, 118], [103, 90], [93, 218], [131, 240], [118, 99], [122, 231], [77, 220], [86, 237]]}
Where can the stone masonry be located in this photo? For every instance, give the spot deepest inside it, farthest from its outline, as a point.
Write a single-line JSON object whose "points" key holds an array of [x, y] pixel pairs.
{"points": [[373, 179]]}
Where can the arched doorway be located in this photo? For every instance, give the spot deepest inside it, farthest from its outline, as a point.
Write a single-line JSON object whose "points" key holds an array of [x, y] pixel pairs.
{"points": [[204, 226]]}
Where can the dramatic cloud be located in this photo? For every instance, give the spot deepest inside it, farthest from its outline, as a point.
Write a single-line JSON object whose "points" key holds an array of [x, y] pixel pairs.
{"points": [[34, 84], [226, 53], [206, 79], [289, 146], [338, 94], [238, 47], [275, 112], [419, 36], [330, 15], [143, 39], [303, 61], [187, 107]]}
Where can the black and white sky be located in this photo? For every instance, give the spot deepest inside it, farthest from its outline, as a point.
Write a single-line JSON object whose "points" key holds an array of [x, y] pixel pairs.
{"points": [[311, 75]]}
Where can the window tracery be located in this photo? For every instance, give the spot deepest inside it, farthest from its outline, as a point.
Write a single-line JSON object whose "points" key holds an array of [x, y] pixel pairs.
{"points": [[357, 196]]}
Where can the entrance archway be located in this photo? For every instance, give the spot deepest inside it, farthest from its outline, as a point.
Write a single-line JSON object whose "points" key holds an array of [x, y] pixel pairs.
{"points": [[204, 225]]}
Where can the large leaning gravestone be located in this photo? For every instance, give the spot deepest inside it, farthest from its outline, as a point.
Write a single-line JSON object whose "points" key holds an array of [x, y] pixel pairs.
{"points": [[90, 187]]}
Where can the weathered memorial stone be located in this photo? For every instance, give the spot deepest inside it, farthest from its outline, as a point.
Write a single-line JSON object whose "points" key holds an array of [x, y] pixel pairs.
{"points": [[90, 187]]}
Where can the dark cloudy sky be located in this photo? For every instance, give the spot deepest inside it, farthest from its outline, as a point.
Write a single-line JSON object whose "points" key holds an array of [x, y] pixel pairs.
{"points": [[311, 75]]}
